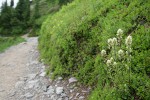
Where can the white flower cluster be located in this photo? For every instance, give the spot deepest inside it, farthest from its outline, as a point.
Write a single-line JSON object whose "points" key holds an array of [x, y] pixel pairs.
{"points": [[128, 41], [120, 53], [103, 53], [110, 61], [112, 42], [119, 32], [115, 64]]}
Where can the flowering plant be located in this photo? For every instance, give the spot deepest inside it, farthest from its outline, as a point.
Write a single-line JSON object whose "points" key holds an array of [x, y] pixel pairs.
{"points": [[118, 58]]}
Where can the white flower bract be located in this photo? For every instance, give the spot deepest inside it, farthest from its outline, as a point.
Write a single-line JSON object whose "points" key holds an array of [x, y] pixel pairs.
{"points": [[128, 41], [114, 63], [111, 59], [120, 53], [120, 32], [103, 53], [110, 42], [108, 62], [114, 41]]}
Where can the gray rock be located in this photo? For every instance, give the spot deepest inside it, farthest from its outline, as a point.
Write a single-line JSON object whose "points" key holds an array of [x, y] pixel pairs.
{"points": [[81, 98], [44, 88], [60, 78], [19, 84], [43, 67], [27, 64], [23, 79], [32, 83], [28, 95], [72, 80], [58, 82], [32, 76], [60, 99], [2, 90], [42, 70], [59, 90], [71, 91], [84, 91], [72, 86], [34, 62], [63, 95], [50, 90], [32, 51], [75, 88], [12, 93], [53, 97], [70, 98], [66, 98], [50, 87], [42, 74], [77, 94], [38, 85]]}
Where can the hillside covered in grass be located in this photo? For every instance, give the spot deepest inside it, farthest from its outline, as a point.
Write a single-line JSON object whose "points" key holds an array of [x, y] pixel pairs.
{"points": [[71, 42]]}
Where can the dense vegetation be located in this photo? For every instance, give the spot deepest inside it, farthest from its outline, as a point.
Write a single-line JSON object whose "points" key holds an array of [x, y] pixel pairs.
{"points": [[71, 42], [14, 21]]}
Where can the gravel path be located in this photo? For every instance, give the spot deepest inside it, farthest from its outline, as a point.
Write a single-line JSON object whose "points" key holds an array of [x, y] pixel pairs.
{"points": [[22, 77]]}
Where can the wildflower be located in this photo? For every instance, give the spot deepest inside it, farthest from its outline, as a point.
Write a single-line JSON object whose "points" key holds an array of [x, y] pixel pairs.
{"points": [[110, 42], [114, 40], [128, 41], [130, 50], [130, 56], [114, 63], [127, 53], [111, 59], [103, 53], [119, 32], [126, 66], [120, 53], [108, 62]]}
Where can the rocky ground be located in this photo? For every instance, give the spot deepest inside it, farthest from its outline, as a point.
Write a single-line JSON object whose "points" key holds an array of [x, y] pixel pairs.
{"points": [[23, 77]]}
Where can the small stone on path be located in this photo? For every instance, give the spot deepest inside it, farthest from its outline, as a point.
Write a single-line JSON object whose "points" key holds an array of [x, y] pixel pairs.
{"points": [[81, 98], [60, 78], [28, 95], [19, 84], [72, 80], [2, 90], [59, 90], [43, 74]]}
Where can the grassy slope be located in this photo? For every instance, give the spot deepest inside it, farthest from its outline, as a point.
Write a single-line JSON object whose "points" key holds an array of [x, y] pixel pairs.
{"points": [[71, 41], [9, 41]]}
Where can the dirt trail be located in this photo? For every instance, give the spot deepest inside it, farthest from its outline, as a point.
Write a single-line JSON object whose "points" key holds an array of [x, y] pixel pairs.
{"points": [[13, 65], [22, 77]]}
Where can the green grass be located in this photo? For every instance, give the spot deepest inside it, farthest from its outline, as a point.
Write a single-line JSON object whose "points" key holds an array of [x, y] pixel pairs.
{"points": [[71, 40], [6, 42]]}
